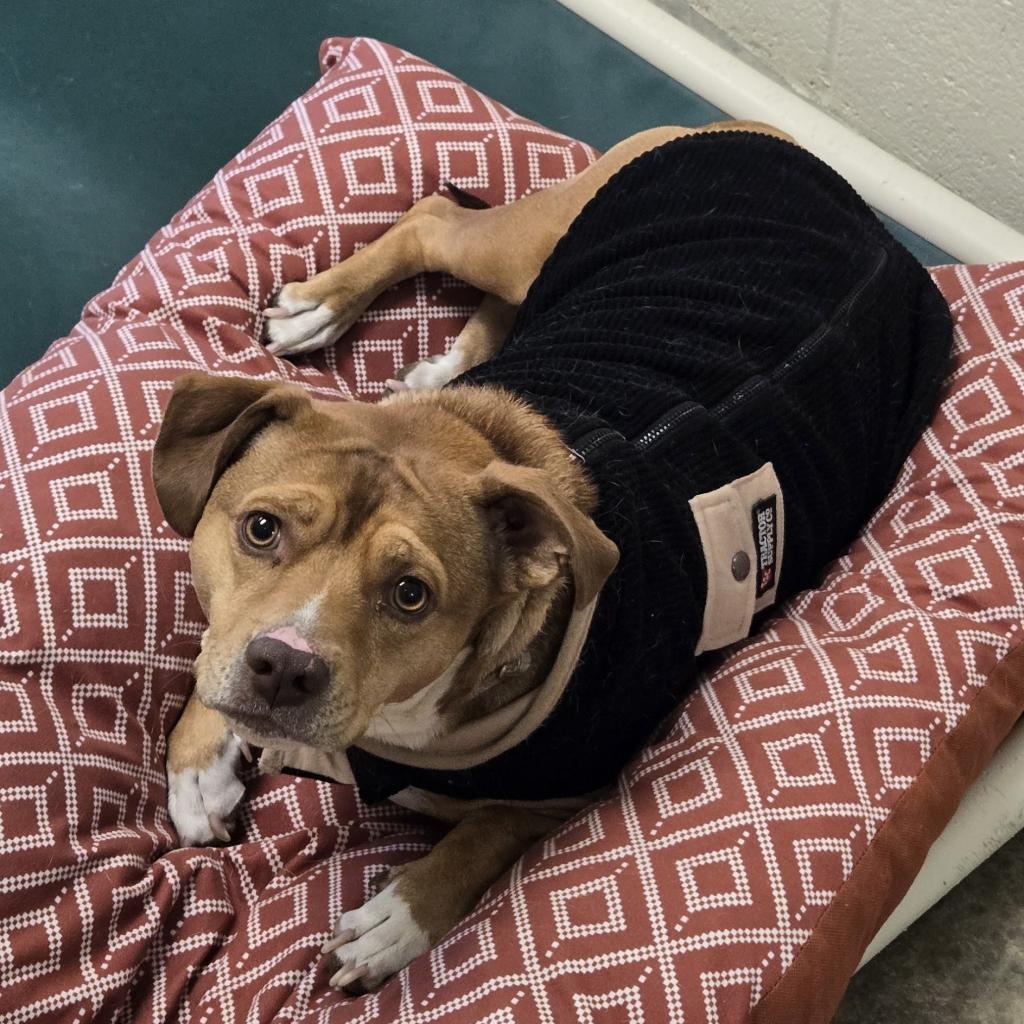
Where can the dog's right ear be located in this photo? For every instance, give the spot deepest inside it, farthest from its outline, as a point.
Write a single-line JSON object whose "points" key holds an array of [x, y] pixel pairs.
{"points": [[536, 526], [206, 424]]}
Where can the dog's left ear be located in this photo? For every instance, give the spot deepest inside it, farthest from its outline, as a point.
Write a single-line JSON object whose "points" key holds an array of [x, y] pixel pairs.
{"points": [[538, 529], [206, 424]]}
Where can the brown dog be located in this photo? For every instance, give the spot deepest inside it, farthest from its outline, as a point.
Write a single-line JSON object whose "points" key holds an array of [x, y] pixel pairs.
{"points": [[390, 571]]}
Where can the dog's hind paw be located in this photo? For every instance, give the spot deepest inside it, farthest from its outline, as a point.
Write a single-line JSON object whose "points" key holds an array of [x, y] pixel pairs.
{"points": [[295, 324], [202, 803]]}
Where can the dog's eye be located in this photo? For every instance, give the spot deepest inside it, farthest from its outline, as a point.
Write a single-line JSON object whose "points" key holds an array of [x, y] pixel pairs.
{"points": [[410, 595], [261, 529]]}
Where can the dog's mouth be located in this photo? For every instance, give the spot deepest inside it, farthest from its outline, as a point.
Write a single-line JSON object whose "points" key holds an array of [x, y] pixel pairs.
{"points": [[256, 722], [266, 725]]}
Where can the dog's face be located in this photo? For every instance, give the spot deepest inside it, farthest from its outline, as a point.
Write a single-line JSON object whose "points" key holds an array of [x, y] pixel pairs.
{"points": [[348, 555]]}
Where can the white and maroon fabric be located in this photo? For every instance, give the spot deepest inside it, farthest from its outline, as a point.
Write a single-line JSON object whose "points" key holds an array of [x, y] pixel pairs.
{"points": [[747, 856]]}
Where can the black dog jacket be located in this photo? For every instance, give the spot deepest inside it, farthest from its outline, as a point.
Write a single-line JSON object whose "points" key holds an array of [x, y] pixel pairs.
{"points": [[724, 302]]}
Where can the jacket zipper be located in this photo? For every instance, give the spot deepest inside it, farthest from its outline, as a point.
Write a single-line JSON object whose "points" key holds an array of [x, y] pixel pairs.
{"points": [[670, 420], [590, 442]]}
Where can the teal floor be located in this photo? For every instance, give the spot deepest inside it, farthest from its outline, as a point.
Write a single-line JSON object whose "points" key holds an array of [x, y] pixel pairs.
{"points": [[113, 114]]}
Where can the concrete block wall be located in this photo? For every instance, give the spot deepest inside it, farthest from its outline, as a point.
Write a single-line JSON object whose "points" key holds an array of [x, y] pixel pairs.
{"points": [[938, 83]]}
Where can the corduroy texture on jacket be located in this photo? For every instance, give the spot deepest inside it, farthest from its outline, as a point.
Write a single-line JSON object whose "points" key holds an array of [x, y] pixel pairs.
{"points": [[724, 301]]}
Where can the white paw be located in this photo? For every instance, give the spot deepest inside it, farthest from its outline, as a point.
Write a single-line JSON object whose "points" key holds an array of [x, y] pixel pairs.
{"points": [[297, 325], [375, 941], [434, 372], [201, 803]]}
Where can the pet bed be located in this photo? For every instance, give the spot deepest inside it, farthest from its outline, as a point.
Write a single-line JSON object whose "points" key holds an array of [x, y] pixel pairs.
{"points": [[747, 857]]}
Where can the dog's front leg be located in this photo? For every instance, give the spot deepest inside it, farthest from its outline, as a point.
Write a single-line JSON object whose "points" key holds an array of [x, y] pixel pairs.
{"points": [[424, 899], [203, 758]]}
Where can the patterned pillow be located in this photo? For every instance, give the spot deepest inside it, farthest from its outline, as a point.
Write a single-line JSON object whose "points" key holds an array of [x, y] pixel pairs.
{"points": [[747, 856]]}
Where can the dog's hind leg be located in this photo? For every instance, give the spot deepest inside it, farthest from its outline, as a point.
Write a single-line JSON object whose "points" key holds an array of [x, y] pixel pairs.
{"points": [[499, 250], [486, 248]]}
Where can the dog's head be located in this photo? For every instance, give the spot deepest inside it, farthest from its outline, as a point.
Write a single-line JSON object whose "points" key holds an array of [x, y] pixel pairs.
{"points": [[347, 555]]}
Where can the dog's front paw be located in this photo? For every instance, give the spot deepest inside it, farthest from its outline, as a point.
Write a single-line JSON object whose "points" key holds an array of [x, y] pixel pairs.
{"points": [[202, 802], [297, 323], [376, 941]]}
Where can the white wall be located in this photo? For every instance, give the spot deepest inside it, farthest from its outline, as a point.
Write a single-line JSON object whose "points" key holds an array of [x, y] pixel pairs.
{"points": [[938, 83]]}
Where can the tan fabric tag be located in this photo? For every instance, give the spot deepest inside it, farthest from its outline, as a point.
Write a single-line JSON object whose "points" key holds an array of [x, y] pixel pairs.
{"points": [[741, 529]]}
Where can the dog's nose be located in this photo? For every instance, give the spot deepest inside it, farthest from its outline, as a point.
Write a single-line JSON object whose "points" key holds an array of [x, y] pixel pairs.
{"points": [[283, 675]]}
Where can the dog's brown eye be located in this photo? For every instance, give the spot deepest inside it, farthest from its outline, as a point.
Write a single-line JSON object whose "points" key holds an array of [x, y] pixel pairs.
{"points": [[410, 595], [261, 529]]}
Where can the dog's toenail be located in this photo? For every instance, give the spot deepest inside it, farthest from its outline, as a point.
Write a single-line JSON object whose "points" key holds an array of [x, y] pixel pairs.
{"points": [[337, 941], [348, 975]]}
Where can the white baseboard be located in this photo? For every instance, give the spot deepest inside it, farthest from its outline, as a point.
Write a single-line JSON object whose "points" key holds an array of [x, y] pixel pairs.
{"points": [[888, 184]]}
